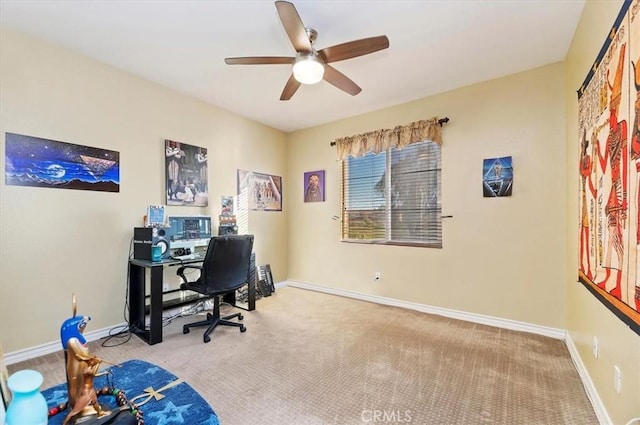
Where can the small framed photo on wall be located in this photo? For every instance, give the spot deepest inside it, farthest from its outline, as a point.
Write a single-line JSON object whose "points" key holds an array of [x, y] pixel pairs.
{"points": [[314, 186], [497, 177]]}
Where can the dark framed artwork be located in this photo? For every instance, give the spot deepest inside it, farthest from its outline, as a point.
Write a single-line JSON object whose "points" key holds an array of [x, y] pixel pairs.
{"points": [[186, 174], [314, 186], [33, 161], [262, 192], [497, 177], [609, 171]]}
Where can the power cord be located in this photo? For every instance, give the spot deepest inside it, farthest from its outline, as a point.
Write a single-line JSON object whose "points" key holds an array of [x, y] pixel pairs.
{"points": [[126, 294], [122, 332], [117, 333], [185, 312]]}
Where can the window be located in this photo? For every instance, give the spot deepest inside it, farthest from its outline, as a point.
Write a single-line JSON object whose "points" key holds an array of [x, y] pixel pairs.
{"points": [[393, 197]]}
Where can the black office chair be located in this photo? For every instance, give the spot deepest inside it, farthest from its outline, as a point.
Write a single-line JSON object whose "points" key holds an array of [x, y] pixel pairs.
{"points": [[225, 269]]}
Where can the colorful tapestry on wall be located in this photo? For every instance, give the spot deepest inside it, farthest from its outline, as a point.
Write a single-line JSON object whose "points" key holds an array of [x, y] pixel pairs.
{"points": [[33, 161], [609, 171]]}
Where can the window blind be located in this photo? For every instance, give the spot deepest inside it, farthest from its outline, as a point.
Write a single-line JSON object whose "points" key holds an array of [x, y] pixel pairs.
{"points": [[393, 197]]}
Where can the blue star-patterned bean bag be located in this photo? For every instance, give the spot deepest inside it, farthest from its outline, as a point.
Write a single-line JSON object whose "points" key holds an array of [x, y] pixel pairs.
{"points": [[181, 404]]}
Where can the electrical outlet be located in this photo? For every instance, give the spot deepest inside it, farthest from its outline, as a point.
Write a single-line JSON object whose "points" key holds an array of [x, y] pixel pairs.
{"points": [[617, 379], [595, 347], [165, 287], [378, 276]]}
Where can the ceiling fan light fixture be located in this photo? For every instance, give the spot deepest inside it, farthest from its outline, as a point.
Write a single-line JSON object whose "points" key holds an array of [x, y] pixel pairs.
{"points": [[308, 69], [309, 64]]}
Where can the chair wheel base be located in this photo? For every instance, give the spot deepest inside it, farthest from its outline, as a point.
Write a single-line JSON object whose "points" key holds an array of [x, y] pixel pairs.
{"points": [[243, 328], [240, 317], [185, 330], [206, 338]]}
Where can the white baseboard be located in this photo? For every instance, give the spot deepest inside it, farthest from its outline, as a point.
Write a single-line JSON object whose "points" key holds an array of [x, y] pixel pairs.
{"points": [[592, 393], [52, 347], [454, 314]]}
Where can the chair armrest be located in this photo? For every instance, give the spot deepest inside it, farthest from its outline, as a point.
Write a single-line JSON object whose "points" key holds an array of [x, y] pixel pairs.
{"points": [[180, 271]]}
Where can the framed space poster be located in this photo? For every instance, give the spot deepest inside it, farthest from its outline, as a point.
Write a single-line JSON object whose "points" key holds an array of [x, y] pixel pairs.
{"points": [[497, 177], [186, 174], [609, 171], [259, 192], [32, 161]]}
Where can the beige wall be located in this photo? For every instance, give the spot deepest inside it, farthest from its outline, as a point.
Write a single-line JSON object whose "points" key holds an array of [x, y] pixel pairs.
{"points": [[513, 258], [501, 257], [56, 242], [586, 316]]}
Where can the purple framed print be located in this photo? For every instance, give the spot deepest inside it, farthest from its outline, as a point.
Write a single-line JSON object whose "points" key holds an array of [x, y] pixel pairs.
{"points": [[314, 186], [32, 161]]}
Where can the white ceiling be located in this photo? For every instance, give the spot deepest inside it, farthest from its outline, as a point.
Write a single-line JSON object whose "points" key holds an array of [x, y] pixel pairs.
{"points": [[435, 46]]}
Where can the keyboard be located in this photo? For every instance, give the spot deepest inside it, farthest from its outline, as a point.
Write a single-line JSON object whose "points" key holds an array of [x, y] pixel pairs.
{"points": [[188, 257]]}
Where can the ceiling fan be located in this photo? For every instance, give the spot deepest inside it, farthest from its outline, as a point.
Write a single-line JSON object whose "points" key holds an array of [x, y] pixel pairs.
{"points": [[311, 66]]}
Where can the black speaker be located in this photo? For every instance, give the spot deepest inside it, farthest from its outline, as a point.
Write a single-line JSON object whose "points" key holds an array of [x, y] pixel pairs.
{"points": [[227, 229], [146, 237]]}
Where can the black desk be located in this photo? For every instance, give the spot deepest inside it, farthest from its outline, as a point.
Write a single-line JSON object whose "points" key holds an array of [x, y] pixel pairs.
{"points": [[137, 296]]}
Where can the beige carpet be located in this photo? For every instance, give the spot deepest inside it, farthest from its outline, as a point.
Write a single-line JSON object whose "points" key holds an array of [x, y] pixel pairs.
{"points": [[311, 358]]}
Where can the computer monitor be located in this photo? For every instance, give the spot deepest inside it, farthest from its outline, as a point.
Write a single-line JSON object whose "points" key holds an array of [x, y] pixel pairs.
{"points": [[189, 227]]}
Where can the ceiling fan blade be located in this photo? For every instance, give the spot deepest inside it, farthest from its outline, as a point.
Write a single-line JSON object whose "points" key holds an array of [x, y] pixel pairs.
{"points": [[290, 88], [260, 60], [293, 26], [341, 81], [353, 49]]}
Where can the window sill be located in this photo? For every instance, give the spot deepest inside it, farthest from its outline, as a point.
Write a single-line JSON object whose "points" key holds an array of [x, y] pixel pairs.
{"points": [[396, 243]]}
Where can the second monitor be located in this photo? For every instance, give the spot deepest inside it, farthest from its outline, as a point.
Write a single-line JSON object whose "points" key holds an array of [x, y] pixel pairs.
{"points": [[189, 236], [189, 227]]}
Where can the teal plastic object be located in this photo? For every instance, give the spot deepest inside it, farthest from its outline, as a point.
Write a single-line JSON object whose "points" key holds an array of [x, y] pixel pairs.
{"points": [[156, 253], [28, 406]]}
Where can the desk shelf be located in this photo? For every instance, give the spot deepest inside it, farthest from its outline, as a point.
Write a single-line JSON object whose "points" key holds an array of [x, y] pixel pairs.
{"points": [[175, 298]]}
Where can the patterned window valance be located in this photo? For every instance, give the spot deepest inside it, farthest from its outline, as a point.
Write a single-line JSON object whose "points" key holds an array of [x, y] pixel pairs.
{"points": [[379, 140]]}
